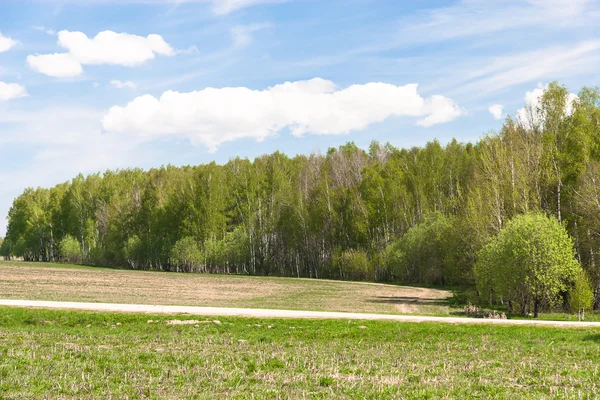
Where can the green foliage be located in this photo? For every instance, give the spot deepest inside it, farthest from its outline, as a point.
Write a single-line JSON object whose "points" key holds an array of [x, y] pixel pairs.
{"points": [[186, 256], [5, 248], [134, 251], [530, 263], [581, 296], [70, 249], [354, 265], [425, 254]]}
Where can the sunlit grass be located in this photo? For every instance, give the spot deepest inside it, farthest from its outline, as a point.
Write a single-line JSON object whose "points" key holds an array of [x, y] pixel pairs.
{"points": [[57, 354]]}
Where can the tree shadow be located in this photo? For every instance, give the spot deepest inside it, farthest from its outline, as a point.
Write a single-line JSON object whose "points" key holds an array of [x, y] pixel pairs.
{"points": [[592, 338], [409, 300]]}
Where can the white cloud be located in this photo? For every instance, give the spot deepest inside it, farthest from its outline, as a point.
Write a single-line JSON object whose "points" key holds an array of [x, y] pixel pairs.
{"points": [[9, 91], [466, 18], [96, 85], [6, 43], [496, 110], [190, 50], [106, 47], [123, 84], [57, 65], [242, 34], [481, 76], [47, 31], [109, 47], [439, 109], [531, 115], [215, 115]]}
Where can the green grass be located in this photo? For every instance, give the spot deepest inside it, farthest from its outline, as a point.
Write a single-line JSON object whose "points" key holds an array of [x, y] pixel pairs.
{"points": [[590, 315], [56, 354]]}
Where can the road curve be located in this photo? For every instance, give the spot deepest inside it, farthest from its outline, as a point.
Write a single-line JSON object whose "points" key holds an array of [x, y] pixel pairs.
{"points": [[260, 313]]}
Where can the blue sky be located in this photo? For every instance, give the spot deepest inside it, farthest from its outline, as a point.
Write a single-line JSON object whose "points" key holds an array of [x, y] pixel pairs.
{"points": [[87, 86]]}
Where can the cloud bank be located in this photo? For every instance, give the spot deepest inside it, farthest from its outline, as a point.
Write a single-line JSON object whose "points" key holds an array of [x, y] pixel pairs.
{"points": [[106, 47], [213, 116]]}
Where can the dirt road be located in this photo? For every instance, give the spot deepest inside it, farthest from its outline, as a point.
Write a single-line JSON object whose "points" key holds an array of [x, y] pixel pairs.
{"points": [[260, 313]]}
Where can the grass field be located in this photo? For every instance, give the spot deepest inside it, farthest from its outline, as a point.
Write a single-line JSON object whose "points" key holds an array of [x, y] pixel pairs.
{"points": [[55, 354], [59, 282]]}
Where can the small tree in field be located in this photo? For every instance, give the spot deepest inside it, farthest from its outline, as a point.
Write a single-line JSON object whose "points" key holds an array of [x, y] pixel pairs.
{"points": [[186, 255], [581, 296], [530, 263], [69, 249]]}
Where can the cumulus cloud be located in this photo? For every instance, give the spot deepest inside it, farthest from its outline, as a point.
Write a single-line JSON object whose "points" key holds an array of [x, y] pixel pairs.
{"points": [[57, 65], [496, 110], [213, 116], [531, 115], [114, 48], [9, 91], [122, 85], [6, 43], [439, 109], [106, 47]]}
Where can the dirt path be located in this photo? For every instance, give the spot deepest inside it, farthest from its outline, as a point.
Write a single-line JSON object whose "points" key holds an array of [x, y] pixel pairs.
{"points": [[259, 313]]}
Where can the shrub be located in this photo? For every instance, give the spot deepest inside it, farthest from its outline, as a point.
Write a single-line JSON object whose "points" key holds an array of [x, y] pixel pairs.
{"points": [[530, 263], [186, 256], [426, 253], [70, 249], [354, 265]]}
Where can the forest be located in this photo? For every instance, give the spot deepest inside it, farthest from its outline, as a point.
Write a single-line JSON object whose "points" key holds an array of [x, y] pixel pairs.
{"points": [[420, 215]]}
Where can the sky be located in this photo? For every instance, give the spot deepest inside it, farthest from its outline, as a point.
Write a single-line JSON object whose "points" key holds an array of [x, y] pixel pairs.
{"points": [[91, 85]]}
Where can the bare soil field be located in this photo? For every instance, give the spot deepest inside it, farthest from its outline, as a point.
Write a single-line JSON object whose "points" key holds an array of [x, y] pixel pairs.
{"points": [[55, 282]]}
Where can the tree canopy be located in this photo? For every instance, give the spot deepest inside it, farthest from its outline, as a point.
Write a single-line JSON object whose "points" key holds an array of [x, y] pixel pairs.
{"points": [[530, 263]]}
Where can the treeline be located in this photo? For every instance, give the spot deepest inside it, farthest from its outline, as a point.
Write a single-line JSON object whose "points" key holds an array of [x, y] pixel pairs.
{"points": [[416, 215]]}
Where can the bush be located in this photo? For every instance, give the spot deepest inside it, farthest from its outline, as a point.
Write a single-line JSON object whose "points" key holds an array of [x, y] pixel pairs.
{"points": [[186, 256], [426, 253], [70, 249], [530, 263], [354, 265]]}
